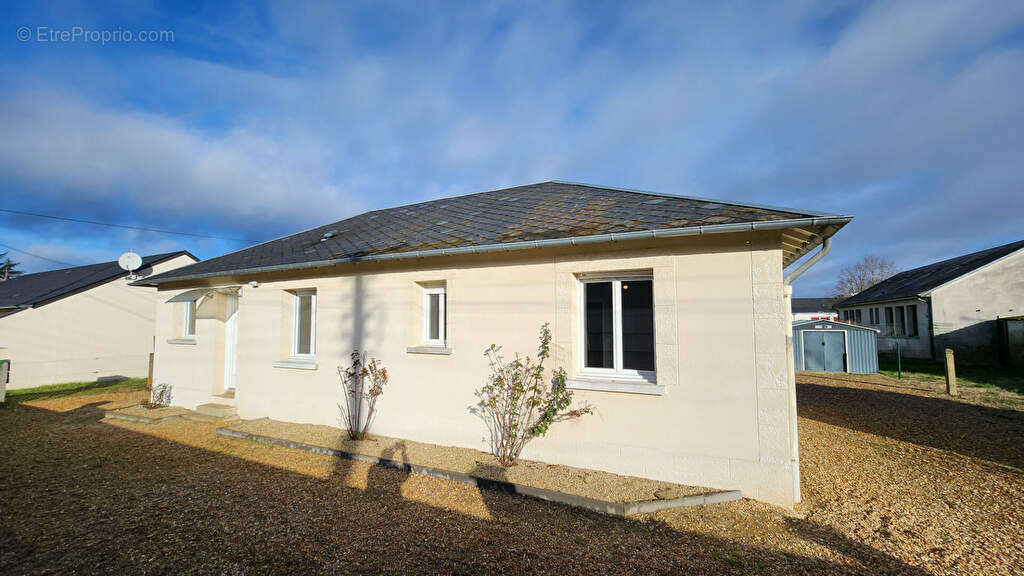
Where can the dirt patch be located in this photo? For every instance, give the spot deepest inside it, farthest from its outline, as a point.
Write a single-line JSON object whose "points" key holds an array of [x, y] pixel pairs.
{"points": [[174, 497]]}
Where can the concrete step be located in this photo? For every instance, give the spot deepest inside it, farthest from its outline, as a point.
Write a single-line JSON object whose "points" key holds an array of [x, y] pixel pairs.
{"points": [[222, 411]]}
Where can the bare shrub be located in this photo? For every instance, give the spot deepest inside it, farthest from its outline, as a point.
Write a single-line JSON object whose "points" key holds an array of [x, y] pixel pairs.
{"points": [[515, 404], [363, 383], [160, 397]]}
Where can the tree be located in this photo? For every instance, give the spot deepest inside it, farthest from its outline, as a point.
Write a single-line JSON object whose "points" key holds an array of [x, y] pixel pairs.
{"points": [[516, 405], [870, 270], [8, 269]]}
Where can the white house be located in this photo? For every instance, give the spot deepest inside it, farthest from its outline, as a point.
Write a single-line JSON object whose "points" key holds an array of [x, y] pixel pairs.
{"points": [[668, 312], [80, 324], [954, 304]]}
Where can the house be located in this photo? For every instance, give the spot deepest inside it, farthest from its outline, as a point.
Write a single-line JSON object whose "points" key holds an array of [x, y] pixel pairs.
{"points": [[669, 313], [950, 304], [814, 309], [80, 324]]}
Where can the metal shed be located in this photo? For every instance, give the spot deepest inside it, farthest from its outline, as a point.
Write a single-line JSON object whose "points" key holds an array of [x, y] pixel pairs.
{"points": [[827, 346]]}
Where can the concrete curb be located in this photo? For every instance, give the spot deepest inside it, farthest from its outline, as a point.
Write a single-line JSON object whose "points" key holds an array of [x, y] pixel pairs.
{"points": [[603, 506]]}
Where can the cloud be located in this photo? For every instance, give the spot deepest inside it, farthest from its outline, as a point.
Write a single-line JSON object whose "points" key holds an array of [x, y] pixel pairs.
{"points": [[265, 121]]}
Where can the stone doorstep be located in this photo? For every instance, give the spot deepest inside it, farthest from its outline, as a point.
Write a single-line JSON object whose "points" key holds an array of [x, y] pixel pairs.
{"points": [[217, 410], [603, 506]]}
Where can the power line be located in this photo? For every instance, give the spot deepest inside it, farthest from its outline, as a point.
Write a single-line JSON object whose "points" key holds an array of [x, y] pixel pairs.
{"points": [[37, 256], [125, 226]]}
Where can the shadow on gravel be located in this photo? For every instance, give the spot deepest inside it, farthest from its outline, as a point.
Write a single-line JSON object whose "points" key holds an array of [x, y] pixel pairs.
{"points": [[991, 434], [104, 499]]}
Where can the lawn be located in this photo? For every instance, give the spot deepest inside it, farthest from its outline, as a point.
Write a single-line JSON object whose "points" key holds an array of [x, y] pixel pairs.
{"points": [[993, 377], [74, 389], [897, 479]]}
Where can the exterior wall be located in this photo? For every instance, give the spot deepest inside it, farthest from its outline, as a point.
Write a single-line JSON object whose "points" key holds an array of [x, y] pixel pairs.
{"points": [[910, 346], [966, 309], [103, 332], [720, 324]]}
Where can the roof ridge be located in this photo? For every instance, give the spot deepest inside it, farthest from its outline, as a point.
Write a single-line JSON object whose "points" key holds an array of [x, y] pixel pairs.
{"points": [[947, 260], [700, 199]]}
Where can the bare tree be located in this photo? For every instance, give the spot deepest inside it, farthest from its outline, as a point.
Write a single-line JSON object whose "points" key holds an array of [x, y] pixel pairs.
{"points": [[870, 270]]}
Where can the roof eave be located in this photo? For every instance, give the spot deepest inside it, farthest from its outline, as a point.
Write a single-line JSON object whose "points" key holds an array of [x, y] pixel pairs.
{"points": [[837, 221]]}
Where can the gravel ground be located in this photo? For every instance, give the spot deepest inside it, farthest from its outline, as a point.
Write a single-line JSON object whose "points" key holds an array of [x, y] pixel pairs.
{"points": [[896, 481], [578, 481]]}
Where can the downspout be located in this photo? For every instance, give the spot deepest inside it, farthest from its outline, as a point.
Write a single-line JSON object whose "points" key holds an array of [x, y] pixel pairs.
{"points": [[787, 297]]}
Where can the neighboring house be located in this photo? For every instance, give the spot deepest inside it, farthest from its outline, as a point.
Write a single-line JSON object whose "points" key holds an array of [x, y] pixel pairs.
{"points": [[80, 324], [814, 309], [667, 312], [950, 304]]}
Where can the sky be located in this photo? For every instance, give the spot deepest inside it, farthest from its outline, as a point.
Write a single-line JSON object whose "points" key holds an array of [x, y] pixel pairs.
{"points": [[244, 122]]}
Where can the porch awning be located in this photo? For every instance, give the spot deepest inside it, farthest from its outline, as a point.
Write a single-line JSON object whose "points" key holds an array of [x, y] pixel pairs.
{"points": [[190, 295], [199, 293]]}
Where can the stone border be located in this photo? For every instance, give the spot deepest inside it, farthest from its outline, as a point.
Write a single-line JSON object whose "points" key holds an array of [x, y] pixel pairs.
{"points": [[603, 506], [118, 415]]}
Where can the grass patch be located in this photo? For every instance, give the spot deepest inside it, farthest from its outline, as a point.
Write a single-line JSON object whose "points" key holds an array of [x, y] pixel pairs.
{"points": [[1009, 379], [74, 389]]}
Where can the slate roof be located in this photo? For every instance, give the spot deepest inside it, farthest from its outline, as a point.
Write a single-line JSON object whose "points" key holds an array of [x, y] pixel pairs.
{"points": [[813, 304], [42, 287], [534, 212], [918, 281]]}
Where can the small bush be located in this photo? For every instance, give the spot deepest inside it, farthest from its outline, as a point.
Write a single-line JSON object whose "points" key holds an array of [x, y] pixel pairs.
{"points": [[160, 397], [516, 406], [357, 411]]}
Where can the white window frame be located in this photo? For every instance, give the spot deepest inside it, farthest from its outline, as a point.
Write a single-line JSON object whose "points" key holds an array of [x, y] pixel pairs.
{"points": [[189, 318], [617, 372], [296, 294], [442, 316]]}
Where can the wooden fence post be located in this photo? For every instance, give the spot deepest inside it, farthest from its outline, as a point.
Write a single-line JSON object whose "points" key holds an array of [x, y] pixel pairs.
{"points": [[950, 373], [149, 379]]}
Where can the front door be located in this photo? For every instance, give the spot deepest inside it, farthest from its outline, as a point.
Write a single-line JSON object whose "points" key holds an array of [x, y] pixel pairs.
{"points": [[824, 351], [230, 341]]}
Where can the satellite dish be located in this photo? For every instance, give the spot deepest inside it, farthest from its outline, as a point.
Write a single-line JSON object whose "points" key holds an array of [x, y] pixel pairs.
{"points": [[131, 262]]}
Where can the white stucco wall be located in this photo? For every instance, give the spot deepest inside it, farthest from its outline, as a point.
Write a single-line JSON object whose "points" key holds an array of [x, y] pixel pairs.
{"points": [[105, 331], [720, 344], [965, 310]]}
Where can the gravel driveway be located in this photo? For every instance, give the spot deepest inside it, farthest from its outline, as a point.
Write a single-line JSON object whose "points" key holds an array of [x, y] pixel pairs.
{"points": [[896, 480]]}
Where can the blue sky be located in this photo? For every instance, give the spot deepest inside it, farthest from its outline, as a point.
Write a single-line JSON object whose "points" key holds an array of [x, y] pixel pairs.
{"points": [[258, 120]]}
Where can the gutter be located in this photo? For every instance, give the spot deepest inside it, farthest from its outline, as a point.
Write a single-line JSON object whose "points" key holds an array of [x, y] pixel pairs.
{"points": [[787, 296], [523, 245]]}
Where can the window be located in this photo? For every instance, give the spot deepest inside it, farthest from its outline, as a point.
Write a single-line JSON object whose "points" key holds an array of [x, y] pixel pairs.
{"points": [[857, 318], [912, 320], [189, 326], [304, 323], [435, 325], [889, 321], [846, 315], [618, 327], [873, 316], [900, 328]]}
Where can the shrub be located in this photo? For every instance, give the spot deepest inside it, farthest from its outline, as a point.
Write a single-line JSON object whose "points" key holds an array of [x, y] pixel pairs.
{"points": [[516, 406], [160, 397], [357, 411]]}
